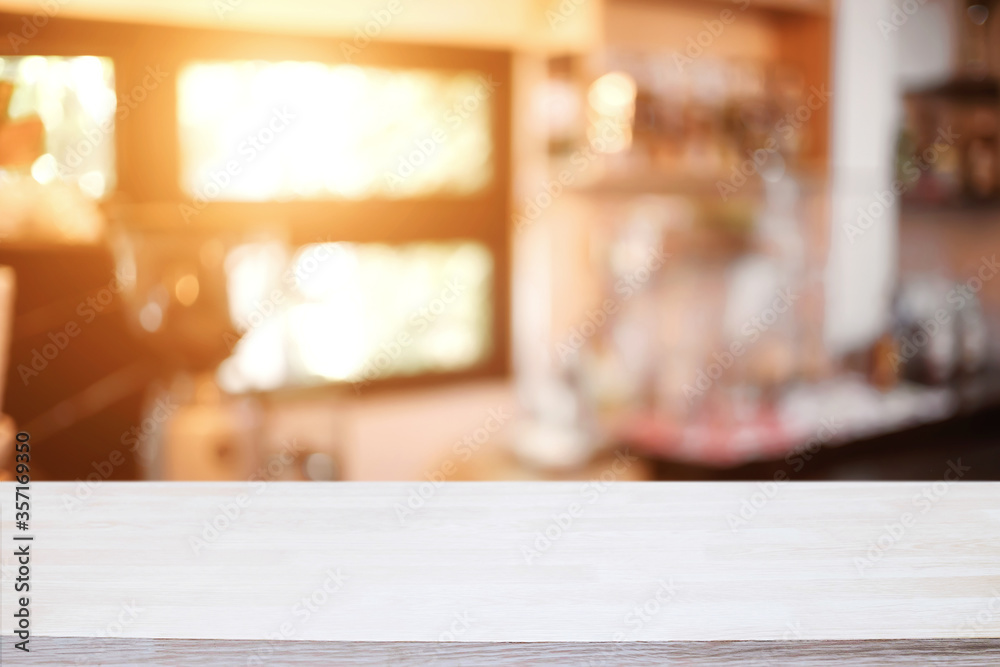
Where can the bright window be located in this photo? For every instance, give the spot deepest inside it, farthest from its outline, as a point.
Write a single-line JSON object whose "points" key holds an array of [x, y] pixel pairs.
{"points": [[357, 313], [75, 100], [256, 131]]}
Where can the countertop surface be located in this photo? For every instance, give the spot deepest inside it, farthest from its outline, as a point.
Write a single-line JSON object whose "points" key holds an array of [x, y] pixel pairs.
{"points": [[508, 562]]}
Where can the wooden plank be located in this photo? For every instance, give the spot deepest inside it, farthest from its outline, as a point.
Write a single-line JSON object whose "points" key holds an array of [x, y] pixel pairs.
{"points": [[622, 562], [872, 653]]}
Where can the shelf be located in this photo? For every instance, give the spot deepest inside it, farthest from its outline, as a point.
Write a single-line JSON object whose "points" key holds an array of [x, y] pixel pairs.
{"points": [[635, 182], [861, 411], [810, 7], [961, 90], [971, 212]]}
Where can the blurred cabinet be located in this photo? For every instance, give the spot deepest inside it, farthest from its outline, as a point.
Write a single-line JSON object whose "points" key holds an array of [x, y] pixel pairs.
{"points": [[682, 189]]}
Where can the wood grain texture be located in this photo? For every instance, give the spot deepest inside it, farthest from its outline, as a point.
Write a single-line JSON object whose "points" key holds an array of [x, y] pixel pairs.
{"points": [[646, 562], [209, 652]]}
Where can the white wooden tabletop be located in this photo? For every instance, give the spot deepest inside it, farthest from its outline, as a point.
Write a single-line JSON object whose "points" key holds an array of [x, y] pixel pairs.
{"points": [[275, 565]]}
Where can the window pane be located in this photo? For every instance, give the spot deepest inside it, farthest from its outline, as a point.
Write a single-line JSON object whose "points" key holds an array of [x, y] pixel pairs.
{"points": [[75, 100], [255, 131], [357, 312]]}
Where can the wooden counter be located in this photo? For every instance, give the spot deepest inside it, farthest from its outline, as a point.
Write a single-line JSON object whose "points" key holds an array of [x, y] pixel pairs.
{"points": [[292, 572]]}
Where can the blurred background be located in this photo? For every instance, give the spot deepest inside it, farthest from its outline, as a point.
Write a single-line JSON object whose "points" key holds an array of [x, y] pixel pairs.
{"points": [[500, 239]]}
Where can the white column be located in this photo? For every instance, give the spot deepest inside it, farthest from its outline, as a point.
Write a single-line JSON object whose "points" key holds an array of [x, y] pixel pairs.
{"points": [[861, 268]]}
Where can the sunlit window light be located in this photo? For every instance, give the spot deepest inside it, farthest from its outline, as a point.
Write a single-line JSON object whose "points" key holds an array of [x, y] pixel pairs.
{"points": [[44, 169], [75, 100], [357, 312], [254, 131], [612, 101]]}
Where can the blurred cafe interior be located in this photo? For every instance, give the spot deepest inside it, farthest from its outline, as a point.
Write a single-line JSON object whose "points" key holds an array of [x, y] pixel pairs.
{"points": [[500, 239]]}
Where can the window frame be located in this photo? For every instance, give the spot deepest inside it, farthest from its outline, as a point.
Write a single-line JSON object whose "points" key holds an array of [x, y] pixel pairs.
{"points": [[148, 192]]}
